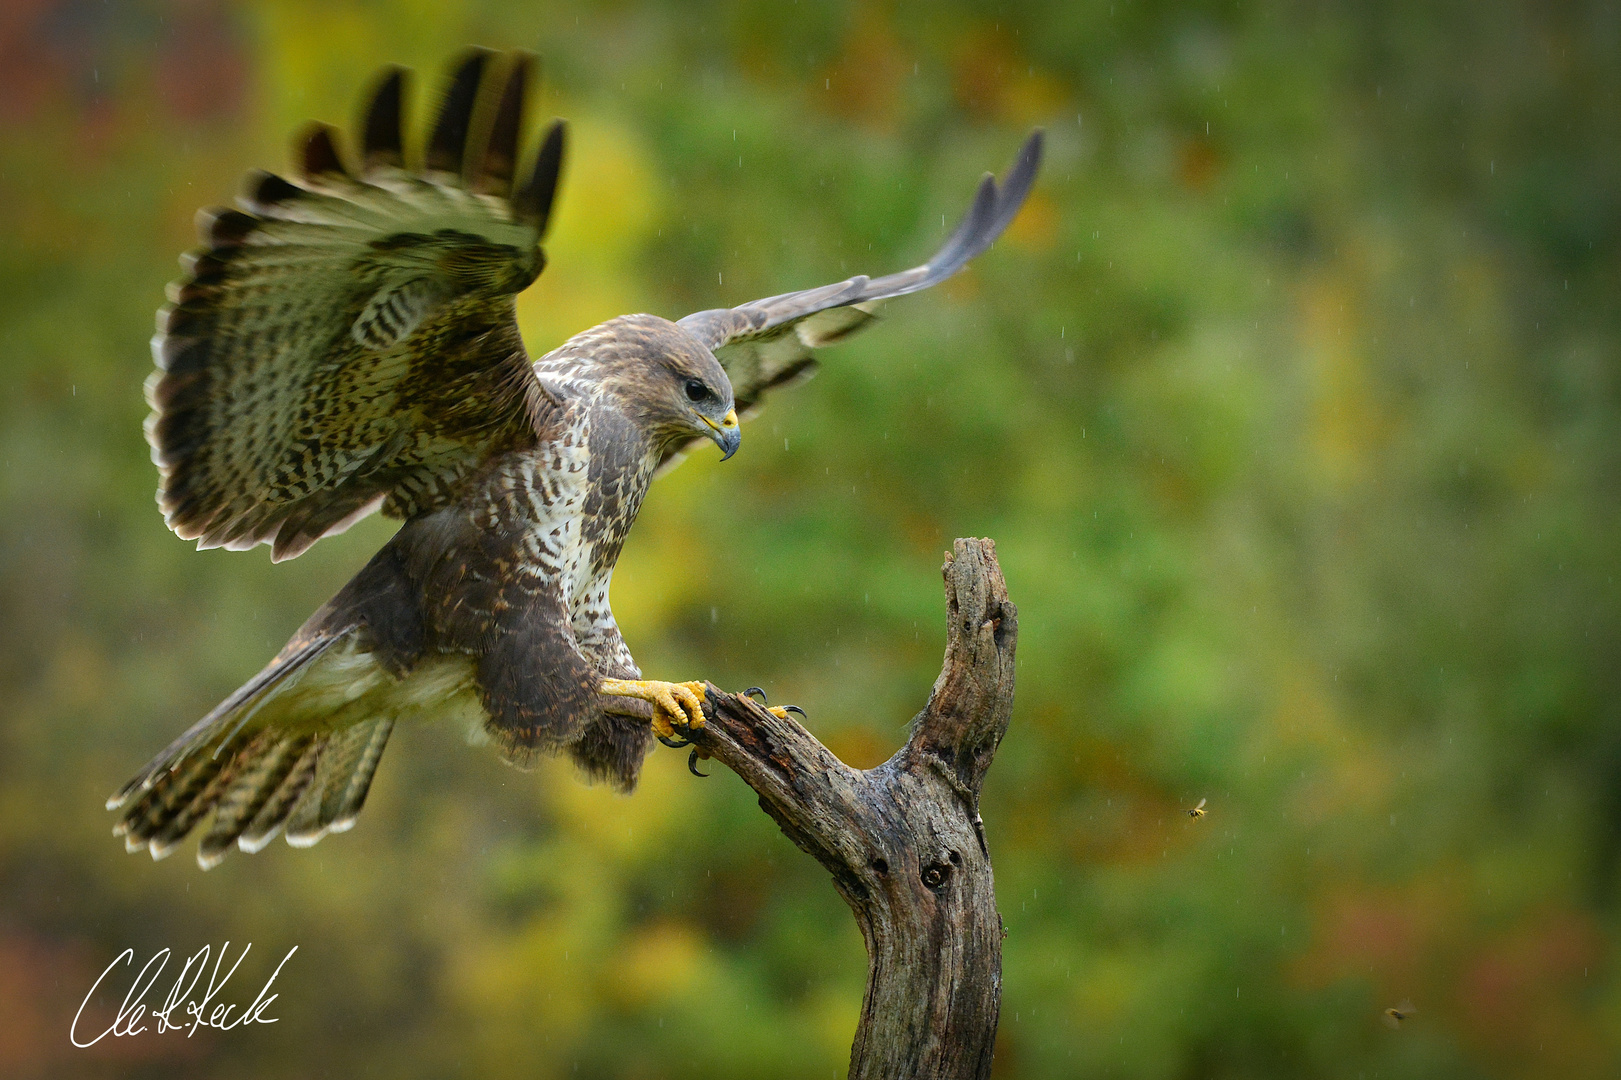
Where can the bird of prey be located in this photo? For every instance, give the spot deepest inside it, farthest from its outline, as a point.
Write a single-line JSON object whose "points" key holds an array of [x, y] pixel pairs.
{"points": [[347, 342]]}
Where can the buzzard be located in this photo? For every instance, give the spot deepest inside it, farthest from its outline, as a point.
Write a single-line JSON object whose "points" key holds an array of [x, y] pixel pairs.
{"points": [[348, 342]]}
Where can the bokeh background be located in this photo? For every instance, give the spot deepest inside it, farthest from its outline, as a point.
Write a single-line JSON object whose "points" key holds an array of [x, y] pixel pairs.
{"points": [[1291, 401]]}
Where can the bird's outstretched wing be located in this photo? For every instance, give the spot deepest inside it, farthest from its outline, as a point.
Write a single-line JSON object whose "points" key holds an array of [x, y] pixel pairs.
{"points": [[348, 341], [768, 343]]}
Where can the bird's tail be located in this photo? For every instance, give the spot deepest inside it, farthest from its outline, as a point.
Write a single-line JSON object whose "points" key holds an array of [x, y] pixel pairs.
{"points": [[257, 779]]}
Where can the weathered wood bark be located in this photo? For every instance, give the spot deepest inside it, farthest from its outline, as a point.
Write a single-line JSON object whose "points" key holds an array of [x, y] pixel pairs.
{"points": [[904, 841]]}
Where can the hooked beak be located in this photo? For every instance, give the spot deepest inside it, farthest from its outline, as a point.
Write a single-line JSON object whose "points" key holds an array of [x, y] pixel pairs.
{"points": [[727, 435]]}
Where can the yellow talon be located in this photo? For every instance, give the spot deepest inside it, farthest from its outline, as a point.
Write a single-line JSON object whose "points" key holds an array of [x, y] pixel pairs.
{"points": [[779, 711], [673, 703]]}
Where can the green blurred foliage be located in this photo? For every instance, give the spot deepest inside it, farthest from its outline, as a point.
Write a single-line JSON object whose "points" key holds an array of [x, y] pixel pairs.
{"points": [[1291, 401]]}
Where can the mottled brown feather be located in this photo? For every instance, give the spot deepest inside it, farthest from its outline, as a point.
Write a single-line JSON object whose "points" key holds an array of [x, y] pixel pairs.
{"points": [[341, 345], [346, 343]]}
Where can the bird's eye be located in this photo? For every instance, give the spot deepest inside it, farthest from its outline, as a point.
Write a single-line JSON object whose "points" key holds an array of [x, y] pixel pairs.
{"points": [[696, 391]]}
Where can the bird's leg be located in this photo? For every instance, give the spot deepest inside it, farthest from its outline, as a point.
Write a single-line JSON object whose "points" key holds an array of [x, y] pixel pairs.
{"points": [[675, 705]]}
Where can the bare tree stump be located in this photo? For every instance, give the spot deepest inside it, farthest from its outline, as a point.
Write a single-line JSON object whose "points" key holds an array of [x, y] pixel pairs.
{"points": [[904, 841]]}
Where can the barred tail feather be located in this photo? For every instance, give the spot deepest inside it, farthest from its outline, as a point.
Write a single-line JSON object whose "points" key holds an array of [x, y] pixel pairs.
{"points": [[266, 760], [168, 802], [343, 773], [221, 727], [273, 814], [353, 796], [270, 758], [305, 785]]}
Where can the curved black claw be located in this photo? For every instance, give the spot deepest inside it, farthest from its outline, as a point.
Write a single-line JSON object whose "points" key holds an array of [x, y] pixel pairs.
{"points": [[674, 744], [692, 763], [797, 709], [756, 691]]}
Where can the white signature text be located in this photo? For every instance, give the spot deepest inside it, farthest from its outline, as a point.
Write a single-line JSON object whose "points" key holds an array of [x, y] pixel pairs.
{"points": [[180, 1010]]}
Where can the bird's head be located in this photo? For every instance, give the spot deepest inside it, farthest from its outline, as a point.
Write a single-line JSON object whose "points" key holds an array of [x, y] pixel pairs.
{"points": [[672, 384]]}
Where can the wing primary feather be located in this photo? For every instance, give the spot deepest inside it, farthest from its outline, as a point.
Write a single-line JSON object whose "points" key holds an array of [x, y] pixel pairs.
{"points": [[447, 146], [493, 172], [992, 210], [318, 155], [971, 234], [1016, 185], [222, 227], [287, 352], [768, 343], [261, 191], [381, 144], [533, 204]]}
